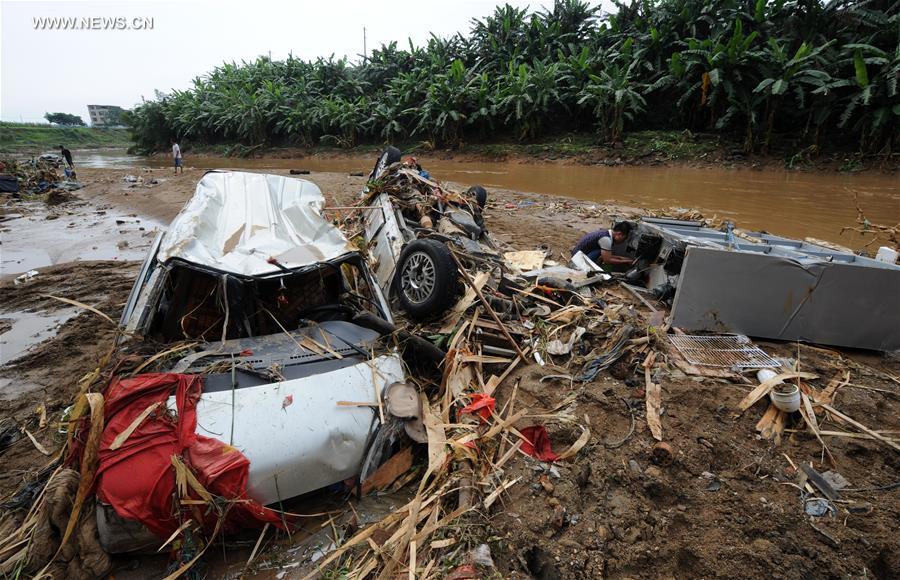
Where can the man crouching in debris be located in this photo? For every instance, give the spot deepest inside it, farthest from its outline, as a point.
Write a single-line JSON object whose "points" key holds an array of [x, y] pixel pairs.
{"points": [[607, 247], [68, 164]]}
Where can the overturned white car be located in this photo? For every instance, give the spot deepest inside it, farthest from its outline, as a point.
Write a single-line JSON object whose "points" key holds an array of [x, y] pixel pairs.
{"points": [[410, 225]]}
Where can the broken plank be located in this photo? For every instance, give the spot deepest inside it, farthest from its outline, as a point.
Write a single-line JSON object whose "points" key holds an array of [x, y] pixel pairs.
{"points": [[653, 398], [490, 499], [389, 471]]}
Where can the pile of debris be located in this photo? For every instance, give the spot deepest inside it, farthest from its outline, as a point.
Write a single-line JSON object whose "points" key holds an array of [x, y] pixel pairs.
{"points": [[35, 177]]}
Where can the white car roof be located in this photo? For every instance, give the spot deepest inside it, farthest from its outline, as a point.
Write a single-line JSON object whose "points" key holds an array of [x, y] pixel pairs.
{"points": [[237, 220]]}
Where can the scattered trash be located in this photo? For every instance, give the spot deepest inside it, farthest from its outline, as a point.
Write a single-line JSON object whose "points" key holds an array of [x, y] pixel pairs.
{"points": [[481, 556], [606, 360], [887, 255], [525, 260], [818, 507], [835, 480], [481, 405], [21, 279], [537, 443], [820, 482], [558, 347], [251, 316], [714, 483]]}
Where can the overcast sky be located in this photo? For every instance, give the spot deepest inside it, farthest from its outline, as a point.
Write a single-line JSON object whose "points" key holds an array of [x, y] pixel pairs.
{"points": [[65, 70]]}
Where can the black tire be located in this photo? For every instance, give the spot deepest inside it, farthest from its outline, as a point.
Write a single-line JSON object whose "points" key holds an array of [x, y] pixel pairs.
{"points": [[426, 279], [390, 155]]}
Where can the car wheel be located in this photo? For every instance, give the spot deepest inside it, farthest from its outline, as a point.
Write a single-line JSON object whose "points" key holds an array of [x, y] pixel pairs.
{"points": [[426, 279], [388, 156]]}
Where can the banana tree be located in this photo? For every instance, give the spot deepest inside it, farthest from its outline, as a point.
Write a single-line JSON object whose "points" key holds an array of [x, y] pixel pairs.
{"points": [[801, 74], [615, 97]]}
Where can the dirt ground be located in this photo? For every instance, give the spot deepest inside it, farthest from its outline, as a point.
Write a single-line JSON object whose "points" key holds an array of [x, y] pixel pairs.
{"points": [[727, 505]]}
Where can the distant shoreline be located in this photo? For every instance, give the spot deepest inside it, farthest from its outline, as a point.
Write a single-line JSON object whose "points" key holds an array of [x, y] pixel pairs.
{"points": [[23, 138], [640, 148]]}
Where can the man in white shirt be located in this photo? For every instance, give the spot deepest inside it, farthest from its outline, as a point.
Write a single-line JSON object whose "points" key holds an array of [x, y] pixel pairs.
{"points": [[176, 154]]}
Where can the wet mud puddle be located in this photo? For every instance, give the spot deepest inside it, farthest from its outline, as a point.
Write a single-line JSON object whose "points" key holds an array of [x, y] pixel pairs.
{"points": [[19, 331], [36, 237]]}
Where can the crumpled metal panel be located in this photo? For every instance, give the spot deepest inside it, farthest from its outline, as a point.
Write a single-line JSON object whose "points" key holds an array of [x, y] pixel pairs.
{"points": [[295, 434], [236, 221], [851, 304]]}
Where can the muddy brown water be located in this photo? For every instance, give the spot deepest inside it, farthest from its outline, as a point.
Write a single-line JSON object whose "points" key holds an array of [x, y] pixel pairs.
{"points": [[788, 203]]}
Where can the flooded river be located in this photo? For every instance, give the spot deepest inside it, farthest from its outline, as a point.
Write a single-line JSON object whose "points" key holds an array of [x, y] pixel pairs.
{"points": [[794, 204]]}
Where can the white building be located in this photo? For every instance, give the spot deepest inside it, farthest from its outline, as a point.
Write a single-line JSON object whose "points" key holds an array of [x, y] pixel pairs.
{"points": [[104, 115]]}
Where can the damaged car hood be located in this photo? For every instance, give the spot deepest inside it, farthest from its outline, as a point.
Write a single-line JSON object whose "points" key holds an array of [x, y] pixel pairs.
{"points": [[237, 221]]}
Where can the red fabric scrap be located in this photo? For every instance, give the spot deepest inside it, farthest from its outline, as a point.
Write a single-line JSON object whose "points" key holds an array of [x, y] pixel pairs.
{"points": [[138, 478], [537, 443], [481, 405]]}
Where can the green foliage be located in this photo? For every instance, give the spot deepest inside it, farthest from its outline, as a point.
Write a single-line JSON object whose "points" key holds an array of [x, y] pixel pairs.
{"points": [[35, 138], [807, 69], [64, 119]]}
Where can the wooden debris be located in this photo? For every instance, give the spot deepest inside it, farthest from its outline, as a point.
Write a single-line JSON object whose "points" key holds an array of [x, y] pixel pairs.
{"points": [[637, 295], [451, 319], [124, 435], [490, 499], [34, 442], [861, 427], [577, 446], [388, 472], [81, 305], [487, 306], [809, 415], [827, 396]]}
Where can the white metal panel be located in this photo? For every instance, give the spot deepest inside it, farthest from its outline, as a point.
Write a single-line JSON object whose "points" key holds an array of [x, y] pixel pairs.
{"points": [[294, 432], [236, 221], [385, 240]]}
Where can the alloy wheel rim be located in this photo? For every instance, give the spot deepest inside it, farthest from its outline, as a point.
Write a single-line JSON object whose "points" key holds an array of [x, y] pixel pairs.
{"points": [[418, 277]]}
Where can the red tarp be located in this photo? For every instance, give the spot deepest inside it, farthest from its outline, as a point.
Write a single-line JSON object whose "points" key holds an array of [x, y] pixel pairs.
{"points": [[138, 478]]}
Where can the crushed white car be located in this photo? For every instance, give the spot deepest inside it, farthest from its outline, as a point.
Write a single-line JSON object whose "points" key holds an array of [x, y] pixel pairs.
{"points": [[410, 224], [284, 320]]}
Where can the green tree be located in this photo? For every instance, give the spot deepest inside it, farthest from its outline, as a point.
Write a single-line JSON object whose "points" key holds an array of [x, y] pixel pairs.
{"points": [[64, 119]]}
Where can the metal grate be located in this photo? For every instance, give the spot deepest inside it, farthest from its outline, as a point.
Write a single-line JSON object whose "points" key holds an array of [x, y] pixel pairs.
{"points": [[728, 351]]}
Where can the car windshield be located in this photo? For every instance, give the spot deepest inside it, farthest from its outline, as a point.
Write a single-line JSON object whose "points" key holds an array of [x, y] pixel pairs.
{"points": [[199, 304]]}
